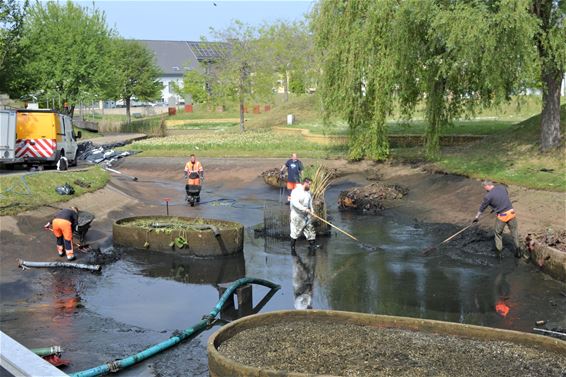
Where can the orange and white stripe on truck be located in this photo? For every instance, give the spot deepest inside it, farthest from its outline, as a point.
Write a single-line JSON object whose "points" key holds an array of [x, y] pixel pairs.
{"points": [[35, 148]]}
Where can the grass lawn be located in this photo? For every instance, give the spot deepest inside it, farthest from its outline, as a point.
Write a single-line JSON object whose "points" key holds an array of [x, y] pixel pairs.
{"points": [[509, 154], [20, 193], [513, 157], [232, 143], [86, 134], [417, 127], [203, 125]]}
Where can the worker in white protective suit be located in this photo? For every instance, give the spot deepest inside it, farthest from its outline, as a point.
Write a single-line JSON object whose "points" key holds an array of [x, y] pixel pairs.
{"points": [[301, 210]]}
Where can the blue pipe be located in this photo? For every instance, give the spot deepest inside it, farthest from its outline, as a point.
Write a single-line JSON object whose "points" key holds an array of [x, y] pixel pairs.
{"points": [[204, 324]]}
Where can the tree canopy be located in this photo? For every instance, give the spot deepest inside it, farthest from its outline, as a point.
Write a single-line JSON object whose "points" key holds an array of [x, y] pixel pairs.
{"points": [[69, 46], [12, 57], [287, 48], [194, 85], [451, 57], [135, 75], [241, 73]]}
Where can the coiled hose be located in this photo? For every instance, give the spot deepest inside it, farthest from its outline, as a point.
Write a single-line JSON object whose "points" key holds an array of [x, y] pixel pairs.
{"points": [[207, 322]]}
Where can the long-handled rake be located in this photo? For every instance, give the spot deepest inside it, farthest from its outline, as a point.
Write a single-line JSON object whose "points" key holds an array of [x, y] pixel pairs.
{"points": [[433, 248], [334, 226]]}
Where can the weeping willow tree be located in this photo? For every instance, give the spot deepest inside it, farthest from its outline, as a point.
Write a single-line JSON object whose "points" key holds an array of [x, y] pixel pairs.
{"points": [[352, 38], [451, 57]]}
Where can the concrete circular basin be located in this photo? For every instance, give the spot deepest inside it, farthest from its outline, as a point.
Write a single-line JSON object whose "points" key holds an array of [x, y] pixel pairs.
{"points": [[182, 235], [240, 339]]}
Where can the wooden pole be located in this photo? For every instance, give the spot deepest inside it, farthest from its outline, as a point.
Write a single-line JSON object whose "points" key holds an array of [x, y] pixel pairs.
{"points": [[334, 226]]}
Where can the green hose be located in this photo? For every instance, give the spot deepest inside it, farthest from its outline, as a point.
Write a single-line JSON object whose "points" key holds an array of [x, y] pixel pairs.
{"points": [[207, 322]]}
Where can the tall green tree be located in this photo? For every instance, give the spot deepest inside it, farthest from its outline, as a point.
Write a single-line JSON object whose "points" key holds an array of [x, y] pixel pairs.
{"points": [[288, 48], [135, 73], [452, 56], [456, 57], [241, 74], [353, 42], [12, 56], [550, 40], [69, 48]]}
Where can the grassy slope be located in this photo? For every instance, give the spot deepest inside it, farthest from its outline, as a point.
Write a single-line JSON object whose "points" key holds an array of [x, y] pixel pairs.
{"points": [[16, 198], [512, 156], [305, 108]]}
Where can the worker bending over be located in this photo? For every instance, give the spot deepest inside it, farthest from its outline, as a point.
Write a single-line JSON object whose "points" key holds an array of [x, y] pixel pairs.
{"points": [[62, 225], [498, 199], [301, 210]]}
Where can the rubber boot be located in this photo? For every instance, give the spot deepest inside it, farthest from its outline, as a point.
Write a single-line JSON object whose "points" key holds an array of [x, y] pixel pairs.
{"points": [[293, 242], [499, 255], [518, 253]]}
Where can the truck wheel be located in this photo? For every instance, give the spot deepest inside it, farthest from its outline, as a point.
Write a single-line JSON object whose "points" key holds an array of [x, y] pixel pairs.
{"points": [[74, 162], [62, 163]]}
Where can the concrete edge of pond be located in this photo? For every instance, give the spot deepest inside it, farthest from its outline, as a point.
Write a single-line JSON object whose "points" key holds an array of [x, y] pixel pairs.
{"points": [[549, 259], [225, 237], [220, 365]]}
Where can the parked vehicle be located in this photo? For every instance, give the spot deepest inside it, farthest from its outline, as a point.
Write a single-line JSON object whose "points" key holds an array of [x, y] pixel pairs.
{"points": [[7, 135], [42, 137]]}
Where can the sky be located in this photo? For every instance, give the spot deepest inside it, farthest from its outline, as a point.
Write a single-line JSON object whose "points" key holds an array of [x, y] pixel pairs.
{"points": [[190, 20]]}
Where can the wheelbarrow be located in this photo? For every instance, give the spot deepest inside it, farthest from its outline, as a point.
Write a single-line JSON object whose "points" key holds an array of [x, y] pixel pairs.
{"points": [[84, 221]]}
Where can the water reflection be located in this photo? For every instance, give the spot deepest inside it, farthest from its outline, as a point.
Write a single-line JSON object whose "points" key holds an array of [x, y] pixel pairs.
{"points": [[303, 278], [188, 269]]}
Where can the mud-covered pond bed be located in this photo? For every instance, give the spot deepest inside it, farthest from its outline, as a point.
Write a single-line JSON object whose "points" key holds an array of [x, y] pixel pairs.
{"points": [[345, 349]]}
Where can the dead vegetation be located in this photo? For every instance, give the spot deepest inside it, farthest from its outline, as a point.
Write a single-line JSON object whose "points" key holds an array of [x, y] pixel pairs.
{"points": [[370, 198]]}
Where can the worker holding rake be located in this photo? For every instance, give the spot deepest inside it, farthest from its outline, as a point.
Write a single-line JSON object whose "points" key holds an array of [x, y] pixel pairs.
{"points": [[301, 214], [497, 198]]}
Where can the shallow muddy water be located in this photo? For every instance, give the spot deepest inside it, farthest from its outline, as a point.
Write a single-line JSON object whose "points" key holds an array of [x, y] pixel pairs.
{"points": [[144, 297]]}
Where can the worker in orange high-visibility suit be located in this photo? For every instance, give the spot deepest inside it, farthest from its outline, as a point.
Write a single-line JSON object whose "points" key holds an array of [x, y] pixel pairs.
{"points": [[62, 225], [194, 172]]}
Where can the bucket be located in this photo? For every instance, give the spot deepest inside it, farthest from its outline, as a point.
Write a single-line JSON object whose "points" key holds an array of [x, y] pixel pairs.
{"points": [[547, 350]]}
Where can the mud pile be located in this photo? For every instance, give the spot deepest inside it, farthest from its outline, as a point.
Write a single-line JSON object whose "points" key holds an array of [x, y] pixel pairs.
{"points": [[370, 198], [553, 238], [273, 177]]}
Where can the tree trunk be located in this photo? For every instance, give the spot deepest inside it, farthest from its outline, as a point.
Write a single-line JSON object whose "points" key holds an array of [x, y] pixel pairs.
{"points": [[241, 97], [128, 100], [550, 118], [242, 129], [286, 86]]}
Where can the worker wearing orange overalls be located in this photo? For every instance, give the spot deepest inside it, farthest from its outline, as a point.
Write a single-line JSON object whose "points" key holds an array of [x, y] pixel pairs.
{"points": [[62, 225], [193, 174], [498, 199]]}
